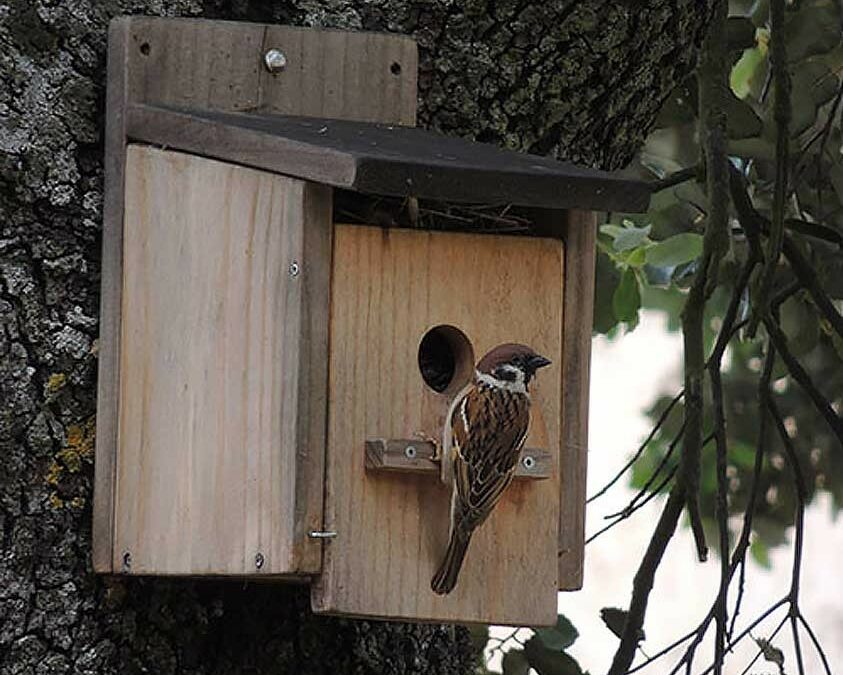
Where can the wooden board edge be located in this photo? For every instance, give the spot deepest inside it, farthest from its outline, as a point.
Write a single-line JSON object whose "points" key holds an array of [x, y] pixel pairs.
{"points": [[321, 603], [108, 384], [312, 428], [181, 130], [580, 236]]}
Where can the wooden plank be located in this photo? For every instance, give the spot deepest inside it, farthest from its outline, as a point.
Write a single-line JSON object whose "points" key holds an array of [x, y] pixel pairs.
{"points": [[220, 400], [219, 65], [580, 240], [408, 455], [390, 287], [314, 275], [387, 159], [110, 299]]}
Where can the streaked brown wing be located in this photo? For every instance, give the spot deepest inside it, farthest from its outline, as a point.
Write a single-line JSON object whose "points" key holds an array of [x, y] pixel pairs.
{"points": [[489, 429]]}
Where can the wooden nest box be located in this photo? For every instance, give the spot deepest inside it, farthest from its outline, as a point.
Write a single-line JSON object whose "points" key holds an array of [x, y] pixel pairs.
{"points": [[295, 283]]}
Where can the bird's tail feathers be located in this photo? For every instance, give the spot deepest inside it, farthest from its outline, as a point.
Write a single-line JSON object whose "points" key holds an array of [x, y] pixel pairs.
{"points": [[445, 579]]}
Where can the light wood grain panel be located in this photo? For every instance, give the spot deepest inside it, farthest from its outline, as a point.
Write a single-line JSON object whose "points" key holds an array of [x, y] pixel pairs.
{"points": [[216, 409], [580, 239], [388, 288], [218, 65]]}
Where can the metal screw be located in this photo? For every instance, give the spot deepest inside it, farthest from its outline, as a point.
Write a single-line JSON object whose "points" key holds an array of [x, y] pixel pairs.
{"points": [[321, 534], [259, 560], [410, 452], [528, 462], [127, 561], [275, 60], [294, 269]]}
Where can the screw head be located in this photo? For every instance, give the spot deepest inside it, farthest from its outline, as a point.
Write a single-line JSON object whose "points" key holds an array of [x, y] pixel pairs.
{"points": [[275, 60], [410, 452], [294, 269], [259, 560], [528, 462]]}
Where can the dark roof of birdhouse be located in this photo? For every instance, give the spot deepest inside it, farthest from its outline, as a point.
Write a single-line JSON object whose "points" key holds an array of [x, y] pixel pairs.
{"points": [[386, 159]]}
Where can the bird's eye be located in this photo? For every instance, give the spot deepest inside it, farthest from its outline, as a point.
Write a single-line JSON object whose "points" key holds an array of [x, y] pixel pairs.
{"points": [[507, 373]]}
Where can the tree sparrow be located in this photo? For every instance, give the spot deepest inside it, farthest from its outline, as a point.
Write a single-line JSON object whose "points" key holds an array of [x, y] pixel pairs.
{"points": [[485, 429]]}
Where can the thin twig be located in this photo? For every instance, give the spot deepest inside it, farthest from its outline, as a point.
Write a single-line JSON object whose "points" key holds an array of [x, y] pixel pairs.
{"points": [[645, 489], [801, 376], [662, 419], [650, 497], [661, 653], [816, 642], [801, 497], [769, 638], [739, 554], [764, 615], [807, 275], [754, 224]]}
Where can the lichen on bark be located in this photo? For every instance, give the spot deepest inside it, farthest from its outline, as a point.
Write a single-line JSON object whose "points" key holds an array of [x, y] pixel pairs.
{"points": [[579, 80]]}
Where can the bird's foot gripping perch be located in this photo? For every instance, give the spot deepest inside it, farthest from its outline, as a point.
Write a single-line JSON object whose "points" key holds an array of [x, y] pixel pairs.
{"points": [[435, 442]]}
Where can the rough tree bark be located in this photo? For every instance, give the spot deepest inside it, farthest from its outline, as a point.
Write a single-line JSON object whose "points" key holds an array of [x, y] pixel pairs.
{"points": [[582, 80]]}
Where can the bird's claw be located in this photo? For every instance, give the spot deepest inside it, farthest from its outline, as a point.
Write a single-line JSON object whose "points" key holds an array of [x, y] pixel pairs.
{"points": [[437, 445]]}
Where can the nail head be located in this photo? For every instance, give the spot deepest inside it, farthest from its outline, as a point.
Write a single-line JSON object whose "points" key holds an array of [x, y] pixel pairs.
{"points": [[275, 60]]}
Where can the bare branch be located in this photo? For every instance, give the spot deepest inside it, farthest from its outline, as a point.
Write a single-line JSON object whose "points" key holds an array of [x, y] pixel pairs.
{"points": [[643, 582], [781, 114]]}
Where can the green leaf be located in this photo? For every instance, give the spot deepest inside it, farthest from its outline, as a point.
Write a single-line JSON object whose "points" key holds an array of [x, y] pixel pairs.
{"points": [[749, 71], [615, 618], [549, 662], [631, 237], [676, 250], [626, 300], [637, 257], [515, 663], [559, 637], [612, 230], [607, 278]]}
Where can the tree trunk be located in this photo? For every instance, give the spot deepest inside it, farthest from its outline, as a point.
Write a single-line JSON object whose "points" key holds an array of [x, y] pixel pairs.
{"points": [[581, 80]]}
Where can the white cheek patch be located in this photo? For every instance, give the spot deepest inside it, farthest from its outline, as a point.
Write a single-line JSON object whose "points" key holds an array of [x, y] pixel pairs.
{"points": [[516, 387]]}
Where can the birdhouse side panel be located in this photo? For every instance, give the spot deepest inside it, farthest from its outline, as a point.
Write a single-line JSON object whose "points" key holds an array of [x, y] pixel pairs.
{"points": [[389, 288], [211, 393]]}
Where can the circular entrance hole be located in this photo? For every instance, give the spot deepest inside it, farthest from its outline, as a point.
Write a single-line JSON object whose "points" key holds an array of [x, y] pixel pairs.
{"points": [[446, 359]]}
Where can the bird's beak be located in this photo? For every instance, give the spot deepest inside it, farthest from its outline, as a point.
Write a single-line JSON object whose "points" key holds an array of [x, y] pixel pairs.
{"points": [[538, 361]]}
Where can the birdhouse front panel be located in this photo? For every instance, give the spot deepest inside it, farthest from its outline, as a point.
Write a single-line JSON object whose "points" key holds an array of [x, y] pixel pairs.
{"points": [[411, 313], [222, 352]]}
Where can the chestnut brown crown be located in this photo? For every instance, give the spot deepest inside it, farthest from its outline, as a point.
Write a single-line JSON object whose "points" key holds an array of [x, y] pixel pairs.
{"points": [[505, 360]]}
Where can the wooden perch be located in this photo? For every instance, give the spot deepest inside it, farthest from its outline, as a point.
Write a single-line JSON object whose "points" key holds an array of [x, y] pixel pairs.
{"points": [[408, 455]]}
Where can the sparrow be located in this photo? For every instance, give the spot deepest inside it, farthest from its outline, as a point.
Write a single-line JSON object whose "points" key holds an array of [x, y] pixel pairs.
{"points": [[485, 429]]}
